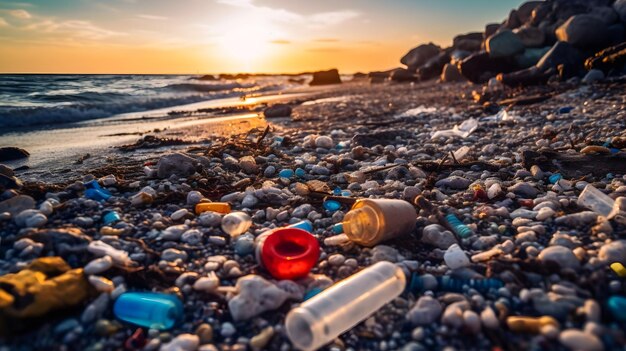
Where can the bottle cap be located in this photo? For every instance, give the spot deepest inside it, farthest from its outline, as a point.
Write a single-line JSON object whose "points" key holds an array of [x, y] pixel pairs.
{"points": [[288, 253]]}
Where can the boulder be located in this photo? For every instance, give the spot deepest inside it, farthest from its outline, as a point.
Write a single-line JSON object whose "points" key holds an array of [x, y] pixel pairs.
{"points": [[525, 11], [525, 77], [531, 37], [468, 42], [583, 31], [432, 69], [606, 14], [326, 77], [620, 7], [530, 57], [403, 75], [512, 21], [12, 153], [419, 55], [561, 53], [540, 13], [451, 73], [480, 67], [277, 110], [616, 34], [504, 44], [208, 77], [359, 76]]}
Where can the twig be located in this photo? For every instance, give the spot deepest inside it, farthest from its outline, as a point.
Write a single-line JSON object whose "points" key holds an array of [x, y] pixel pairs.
{"points": [[258, 142]]}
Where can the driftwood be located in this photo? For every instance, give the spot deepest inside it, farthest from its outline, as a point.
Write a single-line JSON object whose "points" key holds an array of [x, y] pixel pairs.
{"points": [[575, 165]]}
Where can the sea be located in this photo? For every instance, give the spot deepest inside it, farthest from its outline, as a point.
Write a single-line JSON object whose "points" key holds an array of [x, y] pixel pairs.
{"points": [[48, 100]]}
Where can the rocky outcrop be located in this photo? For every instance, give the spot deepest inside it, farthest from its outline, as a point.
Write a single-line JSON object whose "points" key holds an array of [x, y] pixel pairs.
{"points": [[326, 77]]}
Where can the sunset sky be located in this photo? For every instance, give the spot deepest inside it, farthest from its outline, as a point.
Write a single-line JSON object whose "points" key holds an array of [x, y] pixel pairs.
{"points": [[212, 36]]}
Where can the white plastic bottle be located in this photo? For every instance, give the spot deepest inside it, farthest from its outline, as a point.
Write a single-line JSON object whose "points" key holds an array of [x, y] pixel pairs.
{"points": [[342, 306], [371, 221]]}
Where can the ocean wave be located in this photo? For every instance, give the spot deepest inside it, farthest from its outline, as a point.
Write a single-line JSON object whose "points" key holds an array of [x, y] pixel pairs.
{"points": [[203, 88]]}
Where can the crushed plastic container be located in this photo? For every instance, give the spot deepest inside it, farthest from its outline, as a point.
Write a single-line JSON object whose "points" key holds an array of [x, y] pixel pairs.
{"points": [[95, 192], [463, 130], [287, 253], [148, 309], [219, 207], [111, 217], [371, 221], [335, 310], [595, 200], [236, 223]]}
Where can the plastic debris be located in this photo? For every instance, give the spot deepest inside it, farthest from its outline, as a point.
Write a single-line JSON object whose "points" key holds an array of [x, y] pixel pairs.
{"points": [[459, 228], [331, 205], [595, 200], [148, 309], [219, 207], [555, 178], [617, 306], [338, 228], [286, 173], [95, 192], [619, 269], [463, 130], [287, 253], [317, 322], [304, 225], [236, 223], [371, 221], [446, 283], [110, 217], [300, 173]]}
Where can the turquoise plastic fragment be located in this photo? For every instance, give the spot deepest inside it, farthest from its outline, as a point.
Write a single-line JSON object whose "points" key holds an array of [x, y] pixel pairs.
{"points": [[555, 178], [300, 172], [111, 217], [95, 192], [148, 309], [304, 225], [285, 173], [314, 291], [332, 205], [338, 228], [459, 228], [617, 306]]}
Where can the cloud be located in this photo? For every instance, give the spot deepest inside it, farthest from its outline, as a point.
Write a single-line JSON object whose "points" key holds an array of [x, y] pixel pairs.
{"points": [[280, 41], [21, 14], [73, 28], [3, 23], [152, 17], [325, 19]]}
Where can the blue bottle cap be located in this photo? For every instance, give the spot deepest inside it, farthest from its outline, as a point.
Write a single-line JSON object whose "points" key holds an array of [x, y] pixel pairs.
{"points": [[97, 194]]}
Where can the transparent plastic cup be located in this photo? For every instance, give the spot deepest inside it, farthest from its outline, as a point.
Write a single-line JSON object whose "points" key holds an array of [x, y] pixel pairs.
{"points": [[371, 221], [595, 200], [335, 310]]}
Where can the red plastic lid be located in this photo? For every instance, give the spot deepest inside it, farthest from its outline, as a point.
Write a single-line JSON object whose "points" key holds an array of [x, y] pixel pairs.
{"points": [[290, 253]]}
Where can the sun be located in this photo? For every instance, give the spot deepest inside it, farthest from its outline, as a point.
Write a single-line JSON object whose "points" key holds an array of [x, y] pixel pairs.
{"points": [[244, 40]]}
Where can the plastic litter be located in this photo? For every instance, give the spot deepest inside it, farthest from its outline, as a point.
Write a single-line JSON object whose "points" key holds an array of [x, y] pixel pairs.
{"points": [[287, 253], [617, 306], [338, 228], [460, 229], [219, 207], [342, 306], [148, 309], [304, 225], [371, 221], [95, 192], [286, 173], [449, 284], [110, 217], [595, 200], [555, 178], [619, 269], [331, 205], [236, 223], [463, 130], [461, 153], [300, 173]]}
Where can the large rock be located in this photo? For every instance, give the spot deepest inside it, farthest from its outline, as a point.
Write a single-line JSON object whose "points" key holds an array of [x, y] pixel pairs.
{"points": [[179, 164], [419, 55], [530, 57], [277, 110], [490, 29], [480, 67], [403, 75], [525, 11], [468, 42], [432, 69], [326, 77], [451, 73], [12, 153], [531, 37], [620, 8], [606, 14], [561, 53], [504, 44], [583, 31]]}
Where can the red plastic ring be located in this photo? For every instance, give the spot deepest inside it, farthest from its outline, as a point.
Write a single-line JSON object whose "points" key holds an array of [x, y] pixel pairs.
{"points": [[290, 253]]}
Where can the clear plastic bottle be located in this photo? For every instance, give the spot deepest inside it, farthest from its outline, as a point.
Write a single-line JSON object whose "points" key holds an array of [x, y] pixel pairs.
{"points": [[236, 223], [596, 200], [371, 221], [335, 310]]}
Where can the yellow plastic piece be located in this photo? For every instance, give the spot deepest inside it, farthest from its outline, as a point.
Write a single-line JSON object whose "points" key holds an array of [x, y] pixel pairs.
{"points": [[532, 325], [619, 269], [219, 207]]}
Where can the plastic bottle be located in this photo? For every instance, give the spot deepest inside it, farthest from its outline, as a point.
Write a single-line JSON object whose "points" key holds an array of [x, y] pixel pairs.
{"points": [[236, 223], [335, 310], [287, 253], [371, 221], [150, 310], [595, 200], [219, 207]]}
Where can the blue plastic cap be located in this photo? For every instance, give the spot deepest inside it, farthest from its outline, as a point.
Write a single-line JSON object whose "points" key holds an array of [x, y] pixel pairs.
{"points": [[332, 205], [150, 310], [304, 225]]}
